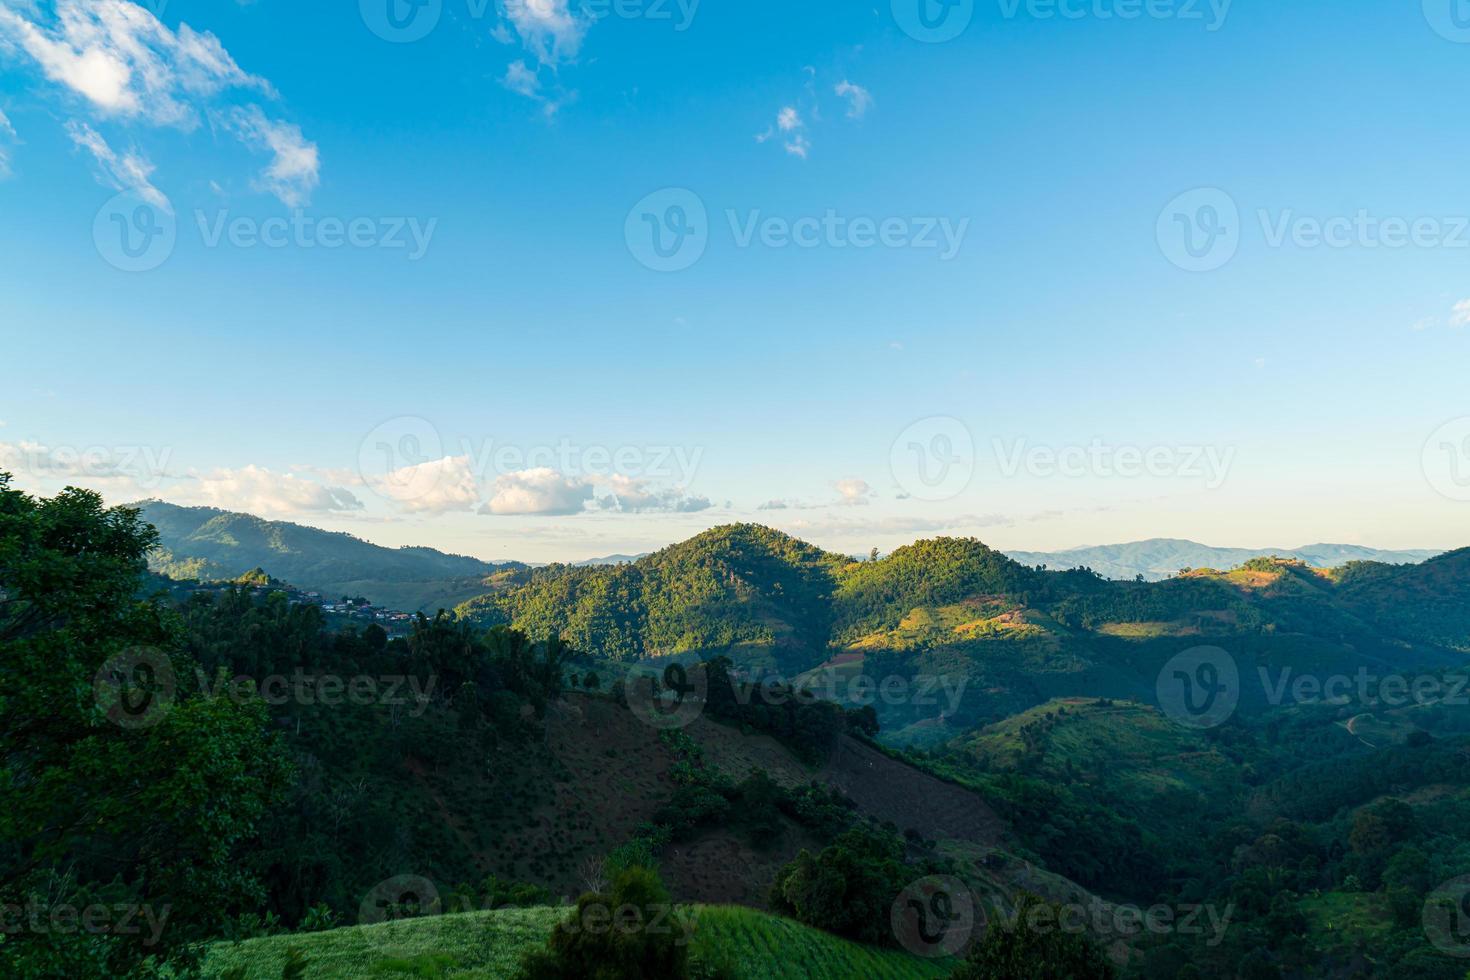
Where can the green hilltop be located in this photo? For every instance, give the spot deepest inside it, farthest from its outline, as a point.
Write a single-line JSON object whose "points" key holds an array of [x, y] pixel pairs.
{"points": [[208, 544]]}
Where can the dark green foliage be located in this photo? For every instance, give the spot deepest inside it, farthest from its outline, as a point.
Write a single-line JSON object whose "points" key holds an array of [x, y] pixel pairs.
{"points": [[877, 594], [150, 807], [1034, 947], [731, 589], [631, 932], [848, 888]]}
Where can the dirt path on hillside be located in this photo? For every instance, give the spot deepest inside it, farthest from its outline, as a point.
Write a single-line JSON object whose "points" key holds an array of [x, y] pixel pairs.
{"points": [[890, 790]]}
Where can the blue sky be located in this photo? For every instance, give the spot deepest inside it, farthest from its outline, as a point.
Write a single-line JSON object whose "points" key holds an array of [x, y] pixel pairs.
{"points": [[928, 286]]}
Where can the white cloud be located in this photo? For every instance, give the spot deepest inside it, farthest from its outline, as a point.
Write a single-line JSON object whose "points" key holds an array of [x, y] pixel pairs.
{"points": [[128, 67], [119, 57], [548, 28], [853, 491], [258, 490], [858, 98], [538, 491], [629, 496], [522, 80], [1460, 315], [295, 167], [129, 171], [789, 122], [438, 486]]}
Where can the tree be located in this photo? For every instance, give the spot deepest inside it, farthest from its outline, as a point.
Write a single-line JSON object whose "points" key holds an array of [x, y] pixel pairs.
{"points": [[1031, 945], [847, 889], [630, 932], [115, 787]]}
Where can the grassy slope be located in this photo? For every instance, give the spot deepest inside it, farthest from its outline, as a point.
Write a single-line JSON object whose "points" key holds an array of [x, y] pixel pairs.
{"points": [[488, 946]]}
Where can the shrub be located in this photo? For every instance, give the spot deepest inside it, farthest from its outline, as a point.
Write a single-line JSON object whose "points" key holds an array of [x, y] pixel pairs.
{"points": [[628, 933]]}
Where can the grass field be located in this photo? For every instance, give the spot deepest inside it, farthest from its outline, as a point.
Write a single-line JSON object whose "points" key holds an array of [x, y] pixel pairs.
{"points": [[489, 945], [758, 946]]}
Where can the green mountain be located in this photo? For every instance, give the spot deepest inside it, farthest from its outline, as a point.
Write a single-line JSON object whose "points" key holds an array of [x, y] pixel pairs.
{"points": [[743, 590], [210, 544], [1018, 636], [1159, 558]]}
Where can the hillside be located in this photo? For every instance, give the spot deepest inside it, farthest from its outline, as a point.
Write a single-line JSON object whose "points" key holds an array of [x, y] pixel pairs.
{"points": [[1014, 635], [487, 945], [1159, 558], [743, 591], [205, 543]]}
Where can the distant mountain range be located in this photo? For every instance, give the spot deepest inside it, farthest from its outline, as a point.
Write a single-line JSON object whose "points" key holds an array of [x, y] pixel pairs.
{"points": [[611, 560], [210, 544], [1159, 558], [206, 543]]}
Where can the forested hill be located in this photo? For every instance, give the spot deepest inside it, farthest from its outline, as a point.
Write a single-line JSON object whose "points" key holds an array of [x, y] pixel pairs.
{"points": [[205, 543], [742, 590], [758, 595]]}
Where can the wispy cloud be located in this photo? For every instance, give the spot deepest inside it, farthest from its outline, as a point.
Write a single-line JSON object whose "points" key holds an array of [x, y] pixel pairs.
{"points": [[548, 28], [126, 171], [858, 98], [295, 167], [788, 128], [118, 60], [7, 136]]}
